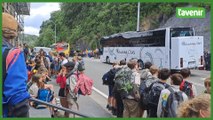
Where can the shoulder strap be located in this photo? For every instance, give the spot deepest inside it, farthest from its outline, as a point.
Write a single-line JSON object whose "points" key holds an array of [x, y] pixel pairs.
{"points": [[171, 90], [178, 93], [167, 85], [29, 85], [150, 87], [5, 53], [182, 85], [190, 86]]}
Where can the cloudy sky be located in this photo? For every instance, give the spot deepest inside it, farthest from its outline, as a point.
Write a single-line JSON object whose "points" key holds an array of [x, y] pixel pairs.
{"points": [[39, 12]]}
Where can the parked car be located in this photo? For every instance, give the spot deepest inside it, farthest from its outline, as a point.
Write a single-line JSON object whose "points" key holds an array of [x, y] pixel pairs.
{"points": [[46, 49]]}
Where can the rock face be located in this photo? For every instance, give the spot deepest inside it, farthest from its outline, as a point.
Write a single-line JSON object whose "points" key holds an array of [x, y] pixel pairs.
{"points": [[202, 26]]}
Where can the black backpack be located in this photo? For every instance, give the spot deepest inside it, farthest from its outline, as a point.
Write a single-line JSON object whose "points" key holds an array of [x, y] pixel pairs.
{"points": [[155, 92], [108, 77], [144, 92], [173, 101]]}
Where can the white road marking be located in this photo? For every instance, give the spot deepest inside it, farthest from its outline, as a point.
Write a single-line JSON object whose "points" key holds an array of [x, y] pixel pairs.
{"points": [[101, 93]]}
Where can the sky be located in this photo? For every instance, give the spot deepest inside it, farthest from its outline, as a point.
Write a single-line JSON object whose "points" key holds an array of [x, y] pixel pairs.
{"points": [[39, 12]]}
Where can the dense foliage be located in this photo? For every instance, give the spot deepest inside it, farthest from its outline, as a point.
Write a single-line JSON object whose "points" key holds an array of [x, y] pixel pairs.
{"points": [[83, 24], [29, 39]]}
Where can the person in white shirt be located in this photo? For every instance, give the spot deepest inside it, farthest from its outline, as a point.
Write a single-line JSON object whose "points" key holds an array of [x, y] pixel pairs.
{"points": [[176, 80], [63, 58]]}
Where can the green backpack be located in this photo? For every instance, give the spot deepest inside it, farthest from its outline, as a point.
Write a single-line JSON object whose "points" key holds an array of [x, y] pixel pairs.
{"points": [[123, 81]]}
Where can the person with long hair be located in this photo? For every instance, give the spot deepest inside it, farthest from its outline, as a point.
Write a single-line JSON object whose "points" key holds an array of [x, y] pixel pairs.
{"points": [[198, 107]]}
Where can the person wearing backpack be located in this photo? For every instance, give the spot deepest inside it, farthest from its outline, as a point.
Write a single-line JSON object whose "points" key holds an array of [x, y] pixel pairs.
{"points": [[145, 73], [61, 80], [171, 98], [116, 93], [14, 72], [131, 100], [84, 83], [155, 91], [187, 86], [45, 92], [108, 79], [144, 88]]}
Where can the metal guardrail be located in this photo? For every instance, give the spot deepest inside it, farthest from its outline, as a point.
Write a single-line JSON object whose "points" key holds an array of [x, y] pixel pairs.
{"points": [[58, 107]]}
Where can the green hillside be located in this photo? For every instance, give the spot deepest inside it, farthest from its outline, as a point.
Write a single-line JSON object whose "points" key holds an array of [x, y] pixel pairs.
{"points": [[29, 39], [83, 24]]}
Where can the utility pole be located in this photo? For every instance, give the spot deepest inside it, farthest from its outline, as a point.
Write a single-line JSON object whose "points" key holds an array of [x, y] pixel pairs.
{"points": [[55, 32], [138, 18]]}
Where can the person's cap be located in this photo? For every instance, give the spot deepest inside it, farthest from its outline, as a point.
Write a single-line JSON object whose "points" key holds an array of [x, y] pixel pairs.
{"points": [[9, 22], [69, 65], [81, 67]]}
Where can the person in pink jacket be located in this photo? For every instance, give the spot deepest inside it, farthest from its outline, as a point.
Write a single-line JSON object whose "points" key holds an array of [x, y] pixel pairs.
{"points": [[84, 83]]}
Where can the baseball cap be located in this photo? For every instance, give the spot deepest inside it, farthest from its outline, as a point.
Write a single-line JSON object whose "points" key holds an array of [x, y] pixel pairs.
{"points": [[69, 65]]}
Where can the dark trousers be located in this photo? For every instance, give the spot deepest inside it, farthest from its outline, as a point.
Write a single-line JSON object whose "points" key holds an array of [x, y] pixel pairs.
{"points": [[119, 104], [152, 112], [19, 110]]}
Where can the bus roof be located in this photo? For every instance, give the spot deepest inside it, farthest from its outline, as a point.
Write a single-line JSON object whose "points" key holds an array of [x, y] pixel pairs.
{"points": [[135, 34], [126, 35]]}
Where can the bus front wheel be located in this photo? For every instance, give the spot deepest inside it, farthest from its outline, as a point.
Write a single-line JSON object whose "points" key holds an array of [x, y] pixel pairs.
{"points": [[107, 60]]}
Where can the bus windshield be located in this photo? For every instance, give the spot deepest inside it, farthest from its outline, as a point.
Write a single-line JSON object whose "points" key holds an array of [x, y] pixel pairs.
{"points": [[180, 32]]}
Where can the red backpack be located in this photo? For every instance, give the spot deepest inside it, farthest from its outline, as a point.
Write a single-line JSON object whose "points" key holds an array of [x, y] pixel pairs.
{"points": [[186, 87]]}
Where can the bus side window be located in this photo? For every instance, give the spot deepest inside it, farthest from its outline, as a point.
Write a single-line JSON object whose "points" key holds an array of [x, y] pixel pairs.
{"points": [[187, 34]]}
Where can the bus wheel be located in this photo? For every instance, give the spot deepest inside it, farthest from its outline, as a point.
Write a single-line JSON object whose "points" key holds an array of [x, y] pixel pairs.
{"points": [[140, 64], [107, 59]]}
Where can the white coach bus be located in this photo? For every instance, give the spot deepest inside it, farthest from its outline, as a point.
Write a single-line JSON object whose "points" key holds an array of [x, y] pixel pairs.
{"points": [[173, 48]]}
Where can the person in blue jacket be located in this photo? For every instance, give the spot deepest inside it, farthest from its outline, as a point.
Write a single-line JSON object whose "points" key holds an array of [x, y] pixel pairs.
{"points": [[14, 74]]}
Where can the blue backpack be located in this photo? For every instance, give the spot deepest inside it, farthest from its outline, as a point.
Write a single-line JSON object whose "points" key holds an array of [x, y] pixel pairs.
{"points": [[45, 95]]}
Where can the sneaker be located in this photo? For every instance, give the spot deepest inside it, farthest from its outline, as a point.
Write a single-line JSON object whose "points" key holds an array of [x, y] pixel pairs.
{"points": [[114, 111], [107, 106]]}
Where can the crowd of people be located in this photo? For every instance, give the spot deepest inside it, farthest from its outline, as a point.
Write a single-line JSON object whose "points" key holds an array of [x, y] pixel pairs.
{"points": [[68, 74], [27, 74], [159, 92]]}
